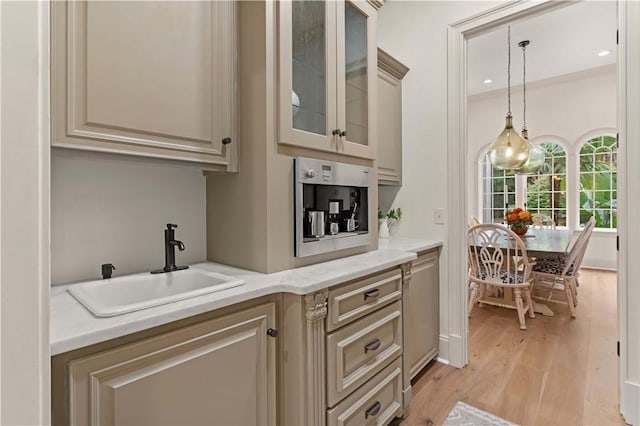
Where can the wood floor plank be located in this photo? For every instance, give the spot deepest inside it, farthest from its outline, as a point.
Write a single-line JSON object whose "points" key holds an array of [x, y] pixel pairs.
{"points": [[560, 371]]}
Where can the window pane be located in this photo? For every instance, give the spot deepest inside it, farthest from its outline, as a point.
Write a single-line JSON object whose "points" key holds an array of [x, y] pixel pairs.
{"points": [[546, 192], [498, 188], [598, 181]]}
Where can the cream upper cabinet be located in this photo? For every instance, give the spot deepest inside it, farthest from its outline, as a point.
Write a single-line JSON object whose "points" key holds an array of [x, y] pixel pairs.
{"points": [[389, 123], [149, 78], [327, 63], [218, 372]]}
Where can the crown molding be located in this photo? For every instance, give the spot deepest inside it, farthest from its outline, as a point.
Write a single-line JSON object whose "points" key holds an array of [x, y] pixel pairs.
{"points": [[391, 65], [376, 3]]}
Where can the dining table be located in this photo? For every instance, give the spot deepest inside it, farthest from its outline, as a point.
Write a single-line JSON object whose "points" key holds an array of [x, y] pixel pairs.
{"points": [[540, 243]]}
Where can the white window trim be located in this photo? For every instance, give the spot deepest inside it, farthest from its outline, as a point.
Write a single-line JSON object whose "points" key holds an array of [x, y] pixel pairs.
{"points": [[572, 163], [605, 131]]}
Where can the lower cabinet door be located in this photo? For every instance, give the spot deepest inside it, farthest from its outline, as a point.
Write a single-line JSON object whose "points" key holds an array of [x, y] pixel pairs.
{"points": [[220, 372], [375, 403], [423, 322]]}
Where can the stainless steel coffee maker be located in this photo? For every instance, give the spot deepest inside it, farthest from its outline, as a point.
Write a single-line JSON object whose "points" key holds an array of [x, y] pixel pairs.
{"points": [[331, 206]]}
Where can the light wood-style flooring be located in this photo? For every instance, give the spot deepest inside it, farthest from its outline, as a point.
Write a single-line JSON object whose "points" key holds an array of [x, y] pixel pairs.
{"points": [[560, 371]]}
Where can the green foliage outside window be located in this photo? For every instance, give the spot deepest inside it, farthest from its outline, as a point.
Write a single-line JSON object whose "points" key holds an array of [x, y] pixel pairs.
{"points": [[547, 190], [598, 182]]}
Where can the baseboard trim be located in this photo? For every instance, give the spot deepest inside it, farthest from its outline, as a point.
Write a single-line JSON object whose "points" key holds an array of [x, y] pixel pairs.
{"points": [[629, 407], [457, 355], [443, 349], [598, 263], [451, 352], [407, 396]]}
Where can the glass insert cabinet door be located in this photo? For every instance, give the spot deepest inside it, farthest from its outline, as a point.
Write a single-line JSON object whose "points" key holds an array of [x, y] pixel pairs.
{"points": [[327, 57]]}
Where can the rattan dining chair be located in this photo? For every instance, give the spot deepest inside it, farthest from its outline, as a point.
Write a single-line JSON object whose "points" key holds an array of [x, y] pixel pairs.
{"points": [[473, 221], [559, 277], [542, 221], [491, 252]]}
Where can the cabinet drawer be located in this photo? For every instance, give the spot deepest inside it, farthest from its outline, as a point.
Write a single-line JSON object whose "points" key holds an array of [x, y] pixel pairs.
{"points": [[352, 301], [375, 403], [358, 351]]}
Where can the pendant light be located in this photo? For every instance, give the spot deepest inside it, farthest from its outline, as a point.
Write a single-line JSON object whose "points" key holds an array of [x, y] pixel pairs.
{"points": [[536, 153], [509, 151]]}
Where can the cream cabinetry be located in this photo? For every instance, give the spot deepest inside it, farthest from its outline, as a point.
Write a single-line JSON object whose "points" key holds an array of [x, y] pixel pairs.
{"points": [[389, 123], [153, 79], [422, 322], [344, 360], [220, 371], [327, 59]]}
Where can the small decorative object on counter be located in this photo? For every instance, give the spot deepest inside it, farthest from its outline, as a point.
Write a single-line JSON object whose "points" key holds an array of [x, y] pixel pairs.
{"points": [[386, 223], [518, 220]]}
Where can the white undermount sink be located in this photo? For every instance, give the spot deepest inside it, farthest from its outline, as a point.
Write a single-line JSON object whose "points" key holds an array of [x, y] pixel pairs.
{"points": [[116, 296]]}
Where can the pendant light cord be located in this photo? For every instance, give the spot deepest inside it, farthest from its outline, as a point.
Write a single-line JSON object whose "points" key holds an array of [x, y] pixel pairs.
{"points": [[509, 69], [524, 85]]}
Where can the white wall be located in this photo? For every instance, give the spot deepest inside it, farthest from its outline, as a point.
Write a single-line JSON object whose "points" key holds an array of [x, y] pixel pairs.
{"points": [[108, 208], [416, 34], [24, 213], [563, 109]]}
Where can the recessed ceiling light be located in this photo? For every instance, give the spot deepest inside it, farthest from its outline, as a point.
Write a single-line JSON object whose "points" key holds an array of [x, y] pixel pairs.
{"points": [[487, 81], [604, 53]]}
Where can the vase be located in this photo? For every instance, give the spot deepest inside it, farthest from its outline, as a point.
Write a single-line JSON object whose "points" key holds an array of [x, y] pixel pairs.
{"points": [[519, 229], [383, 230]]}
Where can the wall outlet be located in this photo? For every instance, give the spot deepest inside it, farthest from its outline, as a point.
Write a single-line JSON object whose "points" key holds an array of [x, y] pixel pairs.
{"points": [[439, 216]]}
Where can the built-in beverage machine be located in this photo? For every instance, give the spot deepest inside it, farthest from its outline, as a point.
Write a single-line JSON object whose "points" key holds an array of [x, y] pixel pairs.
{"points": [[331, 206]]}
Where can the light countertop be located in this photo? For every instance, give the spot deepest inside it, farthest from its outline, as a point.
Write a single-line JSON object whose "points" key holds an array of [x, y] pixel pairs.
{"points": [[413, 245], [73, 327]]}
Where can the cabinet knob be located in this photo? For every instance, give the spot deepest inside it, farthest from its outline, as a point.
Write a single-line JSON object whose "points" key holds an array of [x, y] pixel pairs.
{"points": [[336, 132], [373, 410], [372, 346], [372, 294], [272, 332], [226, 141], [343, 133]]}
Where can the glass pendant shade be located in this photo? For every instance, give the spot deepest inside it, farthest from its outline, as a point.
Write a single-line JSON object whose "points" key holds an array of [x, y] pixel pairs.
{"points": [[510, 150], [535, 162]]}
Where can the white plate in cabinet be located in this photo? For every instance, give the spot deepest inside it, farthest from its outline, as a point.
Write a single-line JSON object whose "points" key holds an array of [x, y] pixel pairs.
{"points": [[357, 352], [375, 403], [123, 81], [349, 302]]}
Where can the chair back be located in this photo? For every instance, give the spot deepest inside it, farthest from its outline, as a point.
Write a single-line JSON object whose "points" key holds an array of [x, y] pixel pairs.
{"points": [[542, 221], [497, 256], [579, 248], [473, 221]]}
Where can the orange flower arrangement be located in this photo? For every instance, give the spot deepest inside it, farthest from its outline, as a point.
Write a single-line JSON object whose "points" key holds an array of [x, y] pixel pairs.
{"points": [[518, 219]]}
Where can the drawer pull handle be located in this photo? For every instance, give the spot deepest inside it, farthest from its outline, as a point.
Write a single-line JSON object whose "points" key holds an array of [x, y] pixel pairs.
{"points": [[373, 410], [372, 294], [372, 346]]}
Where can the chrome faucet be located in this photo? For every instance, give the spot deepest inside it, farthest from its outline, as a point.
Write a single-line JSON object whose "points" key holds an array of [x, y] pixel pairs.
{"points": [[170, 244]]}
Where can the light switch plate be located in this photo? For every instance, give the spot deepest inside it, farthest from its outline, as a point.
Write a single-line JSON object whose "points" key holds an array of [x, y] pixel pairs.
{"points": [[439, 216]]}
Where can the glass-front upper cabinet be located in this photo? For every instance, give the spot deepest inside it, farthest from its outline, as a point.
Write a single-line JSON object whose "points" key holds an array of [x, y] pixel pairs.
{"points": [[326, 75]]}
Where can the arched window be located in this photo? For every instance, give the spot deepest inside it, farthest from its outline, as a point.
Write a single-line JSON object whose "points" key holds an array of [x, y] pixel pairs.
{"points": [[546, 191], [598, 181], [498, 192]]}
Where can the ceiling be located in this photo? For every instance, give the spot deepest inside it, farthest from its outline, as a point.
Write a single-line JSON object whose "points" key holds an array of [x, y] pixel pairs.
{"points": [[564, 41]]}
